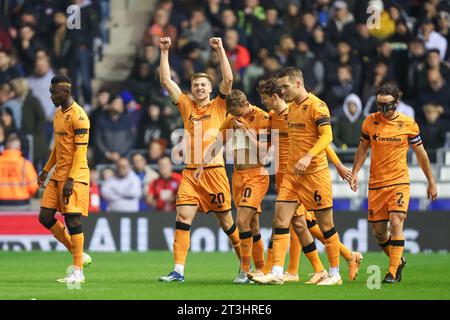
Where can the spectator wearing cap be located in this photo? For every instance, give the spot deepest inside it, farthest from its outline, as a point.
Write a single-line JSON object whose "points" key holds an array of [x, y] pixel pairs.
{"points": [[162, 192], [237, 54], [7, 70], [114, 134], [266, 32], [123, 190], [433, 129], [152, 126], [341, 25], [18, 178], [432, 39]]}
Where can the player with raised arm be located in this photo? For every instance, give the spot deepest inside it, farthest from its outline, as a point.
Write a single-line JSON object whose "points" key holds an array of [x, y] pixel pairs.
{"points": [[307, 181], [249, 127], [389, 134], [68, 188], [271, 95], [202, 118]]}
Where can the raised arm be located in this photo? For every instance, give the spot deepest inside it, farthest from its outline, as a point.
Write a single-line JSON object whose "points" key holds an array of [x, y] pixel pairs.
{"points": [[225, 68], [164, 71]]}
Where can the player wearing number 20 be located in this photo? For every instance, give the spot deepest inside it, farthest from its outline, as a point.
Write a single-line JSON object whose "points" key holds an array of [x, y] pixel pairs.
{"points": [[202, 119]]}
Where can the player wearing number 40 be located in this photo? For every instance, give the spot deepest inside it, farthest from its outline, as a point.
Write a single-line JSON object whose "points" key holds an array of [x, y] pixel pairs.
{"points": [[211, 193], [249, 127]]}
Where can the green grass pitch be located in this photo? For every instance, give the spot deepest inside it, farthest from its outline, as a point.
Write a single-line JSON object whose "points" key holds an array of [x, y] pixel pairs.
{"points": [[26, 275]]}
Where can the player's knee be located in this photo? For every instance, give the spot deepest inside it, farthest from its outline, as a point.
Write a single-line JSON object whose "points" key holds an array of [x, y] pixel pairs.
{"points": [[299, 225], [380, 235], [72, 221], [243, 223], [47, 220]]}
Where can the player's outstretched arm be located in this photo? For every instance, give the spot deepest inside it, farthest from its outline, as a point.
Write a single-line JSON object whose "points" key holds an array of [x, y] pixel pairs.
{"points": [[360, 157], [225, 68], [344, 172], [164, 71], [424, 163]]}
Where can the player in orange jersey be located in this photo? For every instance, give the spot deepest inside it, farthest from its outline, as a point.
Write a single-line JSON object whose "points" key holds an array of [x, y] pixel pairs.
{"points": [[68, 188], [307, 181], [389, 134], [202, 118], [270, 92], [249, 127]]}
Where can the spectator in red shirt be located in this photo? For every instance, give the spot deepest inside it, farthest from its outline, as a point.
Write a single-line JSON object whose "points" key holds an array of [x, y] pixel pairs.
{"points": [[237, 54], [162, 191]]}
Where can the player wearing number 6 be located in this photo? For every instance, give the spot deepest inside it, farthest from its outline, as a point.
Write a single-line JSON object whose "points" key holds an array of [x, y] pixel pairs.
{"points": [[389, 134], [307, 181], [202, 119]]}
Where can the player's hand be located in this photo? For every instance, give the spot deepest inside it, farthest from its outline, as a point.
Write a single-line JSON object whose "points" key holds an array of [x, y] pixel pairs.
{"points": [[303, 164], [344, 172], [41, 179], [198, 173], [67, 190], [238, 125], [216, 43], [432, 191], [354, 182], [165, 43]]}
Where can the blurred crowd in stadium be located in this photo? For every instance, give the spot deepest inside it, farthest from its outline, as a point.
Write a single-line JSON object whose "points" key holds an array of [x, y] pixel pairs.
{"points": [[342, 51]]}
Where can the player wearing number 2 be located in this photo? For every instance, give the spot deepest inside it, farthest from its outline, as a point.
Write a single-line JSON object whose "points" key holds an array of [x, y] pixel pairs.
{"points": [[202, 119], [389, 134]]}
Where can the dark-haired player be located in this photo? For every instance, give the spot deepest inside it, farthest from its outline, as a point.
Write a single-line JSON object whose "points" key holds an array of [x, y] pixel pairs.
{"points": [[389, 134], [68, 188]]}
